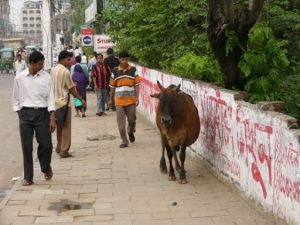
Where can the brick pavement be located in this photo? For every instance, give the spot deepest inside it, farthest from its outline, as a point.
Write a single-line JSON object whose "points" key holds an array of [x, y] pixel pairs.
{"points": [[105, 185]]}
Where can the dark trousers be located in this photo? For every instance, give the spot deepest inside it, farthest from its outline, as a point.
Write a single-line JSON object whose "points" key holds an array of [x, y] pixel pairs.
{"points": [[35, 121]]}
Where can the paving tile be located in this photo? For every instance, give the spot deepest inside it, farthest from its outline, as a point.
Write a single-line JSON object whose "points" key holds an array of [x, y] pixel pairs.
{"points": [[54, 219]]}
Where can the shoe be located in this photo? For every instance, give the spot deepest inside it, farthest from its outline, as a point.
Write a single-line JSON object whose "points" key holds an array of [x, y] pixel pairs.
{"points": [[131, 137], [27, 182], [83, 115], [123, 145], [99, 114], [49, 174], [65, 155]]}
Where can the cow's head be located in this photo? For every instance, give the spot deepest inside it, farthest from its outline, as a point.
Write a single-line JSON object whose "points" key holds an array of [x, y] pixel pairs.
{"points": [[168, 98]]}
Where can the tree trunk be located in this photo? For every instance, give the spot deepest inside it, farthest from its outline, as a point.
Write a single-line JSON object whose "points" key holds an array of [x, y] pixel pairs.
{"points": [[221, 18]]}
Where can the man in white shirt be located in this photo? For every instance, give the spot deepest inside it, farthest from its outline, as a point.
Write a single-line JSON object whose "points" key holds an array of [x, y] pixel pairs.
{"points": [[20, 64], [33, 99]]}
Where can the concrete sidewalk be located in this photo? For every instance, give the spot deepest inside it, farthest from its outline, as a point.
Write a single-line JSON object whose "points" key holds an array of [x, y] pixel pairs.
{"points": [[105, 185]]}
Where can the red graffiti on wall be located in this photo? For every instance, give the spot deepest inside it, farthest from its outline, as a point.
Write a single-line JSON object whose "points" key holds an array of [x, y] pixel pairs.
{"points": [[216, 122], [252, 142]]}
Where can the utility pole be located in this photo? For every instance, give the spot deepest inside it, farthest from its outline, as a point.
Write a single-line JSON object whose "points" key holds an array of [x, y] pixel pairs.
{"points": [[46, 25]]}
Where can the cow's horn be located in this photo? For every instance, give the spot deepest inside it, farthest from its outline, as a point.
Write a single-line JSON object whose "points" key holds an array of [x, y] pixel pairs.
{"points": [[178, 87], [160, 86]]}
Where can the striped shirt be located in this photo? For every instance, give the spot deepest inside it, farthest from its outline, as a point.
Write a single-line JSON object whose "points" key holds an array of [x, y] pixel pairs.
{"points": [[124, 81], [101, 74], [62, 84]]}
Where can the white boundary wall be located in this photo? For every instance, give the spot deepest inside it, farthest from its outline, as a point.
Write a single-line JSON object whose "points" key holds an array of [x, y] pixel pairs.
{"points": [[253, 149]]}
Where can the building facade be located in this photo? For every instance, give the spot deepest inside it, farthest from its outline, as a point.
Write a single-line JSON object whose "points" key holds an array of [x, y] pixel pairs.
{"points": [[32, 22], [5, 25]]}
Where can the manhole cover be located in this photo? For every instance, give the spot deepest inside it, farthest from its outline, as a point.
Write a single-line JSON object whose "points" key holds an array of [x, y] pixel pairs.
{"points": [[107, 137], [101, 137], [65, 205]]}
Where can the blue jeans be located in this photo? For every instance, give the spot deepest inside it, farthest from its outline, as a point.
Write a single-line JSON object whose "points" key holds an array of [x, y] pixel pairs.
{"points": [[101, 100]]}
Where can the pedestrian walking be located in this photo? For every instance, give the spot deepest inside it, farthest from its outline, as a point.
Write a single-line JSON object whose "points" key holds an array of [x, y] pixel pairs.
{"points": [[84, 59], [124, 84], [110, 62], [83, 66], [20, 64], [81, 82], [33, 99], [100, 80], [63, 87]]}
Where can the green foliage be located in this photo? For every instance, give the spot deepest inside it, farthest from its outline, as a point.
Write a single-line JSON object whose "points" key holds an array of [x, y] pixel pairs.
{"points": [[263, 64], [203, 68], [157, 32], [290, 94], [283, 17]]}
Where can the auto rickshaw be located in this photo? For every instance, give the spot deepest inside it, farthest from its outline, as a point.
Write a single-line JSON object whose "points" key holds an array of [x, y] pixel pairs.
{"points": [[7, 58]]}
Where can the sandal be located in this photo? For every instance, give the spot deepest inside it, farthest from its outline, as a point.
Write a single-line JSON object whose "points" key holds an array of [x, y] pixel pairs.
{"points": [[27, 182], [49, 174], [65, 155], [123, 145]]}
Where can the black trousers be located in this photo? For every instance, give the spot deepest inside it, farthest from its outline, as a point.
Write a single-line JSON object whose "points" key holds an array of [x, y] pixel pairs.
{"points": [[35, 121]]}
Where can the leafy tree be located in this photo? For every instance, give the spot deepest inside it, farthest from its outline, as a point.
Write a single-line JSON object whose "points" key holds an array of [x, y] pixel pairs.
{"points": [[227, 16], [263, 64], [156, 32]]}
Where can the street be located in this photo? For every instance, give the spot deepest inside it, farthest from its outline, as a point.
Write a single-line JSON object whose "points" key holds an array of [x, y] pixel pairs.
{"points": [[10, 148]]}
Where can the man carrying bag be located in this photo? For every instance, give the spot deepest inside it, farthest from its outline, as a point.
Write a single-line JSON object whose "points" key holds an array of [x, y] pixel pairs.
{"points": [[63, 87]]}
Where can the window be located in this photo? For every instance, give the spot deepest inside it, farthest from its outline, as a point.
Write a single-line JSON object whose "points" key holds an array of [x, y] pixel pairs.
{"points": [[38, 18], [31, 18], [31, 32], [25, 25], [38, 32], [25, 11], [38, 25], [31, 11], [31, 25], [25, 18], [25, 31], [38, 11]]}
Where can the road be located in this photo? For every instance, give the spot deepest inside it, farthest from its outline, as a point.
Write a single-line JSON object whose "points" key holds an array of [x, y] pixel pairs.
{"points": [[10, 148]]}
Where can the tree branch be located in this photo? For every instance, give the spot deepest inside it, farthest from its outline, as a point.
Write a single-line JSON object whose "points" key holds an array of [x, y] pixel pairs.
{"points": [[255, 10]]}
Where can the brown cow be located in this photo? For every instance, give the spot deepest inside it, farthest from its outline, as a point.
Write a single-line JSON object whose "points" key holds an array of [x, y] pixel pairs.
{"points": [[178, 122]]}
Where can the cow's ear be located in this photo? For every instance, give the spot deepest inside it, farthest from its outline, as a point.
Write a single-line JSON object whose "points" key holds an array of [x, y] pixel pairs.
{"points": [[155, 95], [178, 88], [160, 86]]}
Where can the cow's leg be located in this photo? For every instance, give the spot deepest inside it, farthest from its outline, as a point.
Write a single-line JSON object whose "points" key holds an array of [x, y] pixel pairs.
{"points": [[182, 172], [177, 166], [163, 166], [171, 169]]}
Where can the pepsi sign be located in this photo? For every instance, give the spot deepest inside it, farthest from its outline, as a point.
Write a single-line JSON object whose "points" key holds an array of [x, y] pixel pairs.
{"points": [[87, 40]]}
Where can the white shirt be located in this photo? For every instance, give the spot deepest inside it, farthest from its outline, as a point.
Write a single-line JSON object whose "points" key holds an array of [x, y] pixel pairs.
{"points": [[20, 66], [84, 59], [33, 91]]}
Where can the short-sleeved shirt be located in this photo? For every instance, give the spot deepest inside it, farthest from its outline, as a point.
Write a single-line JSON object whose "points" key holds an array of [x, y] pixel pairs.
{"points": [[124, 81], [63, 82]]}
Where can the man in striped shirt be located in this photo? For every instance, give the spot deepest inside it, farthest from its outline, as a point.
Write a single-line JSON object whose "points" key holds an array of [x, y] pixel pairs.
{"points": [[124, 83], [100, 76]]}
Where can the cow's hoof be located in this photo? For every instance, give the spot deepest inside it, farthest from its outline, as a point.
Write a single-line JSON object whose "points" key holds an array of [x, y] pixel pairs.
{"points": [[178, 169], [183, 181], [172, 178], [163, 170]]}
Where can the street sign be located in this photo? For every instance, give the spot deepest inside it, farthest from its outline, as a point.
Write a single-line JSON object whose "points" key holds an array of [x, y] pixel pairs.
{"points": [[102, 43], [87, 31], [87, 40]]}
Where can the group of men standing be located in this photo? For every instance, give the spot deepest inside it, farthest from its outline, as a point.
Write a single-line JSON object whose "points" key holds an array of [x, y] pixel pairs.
{"points": [[38, 96]]}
